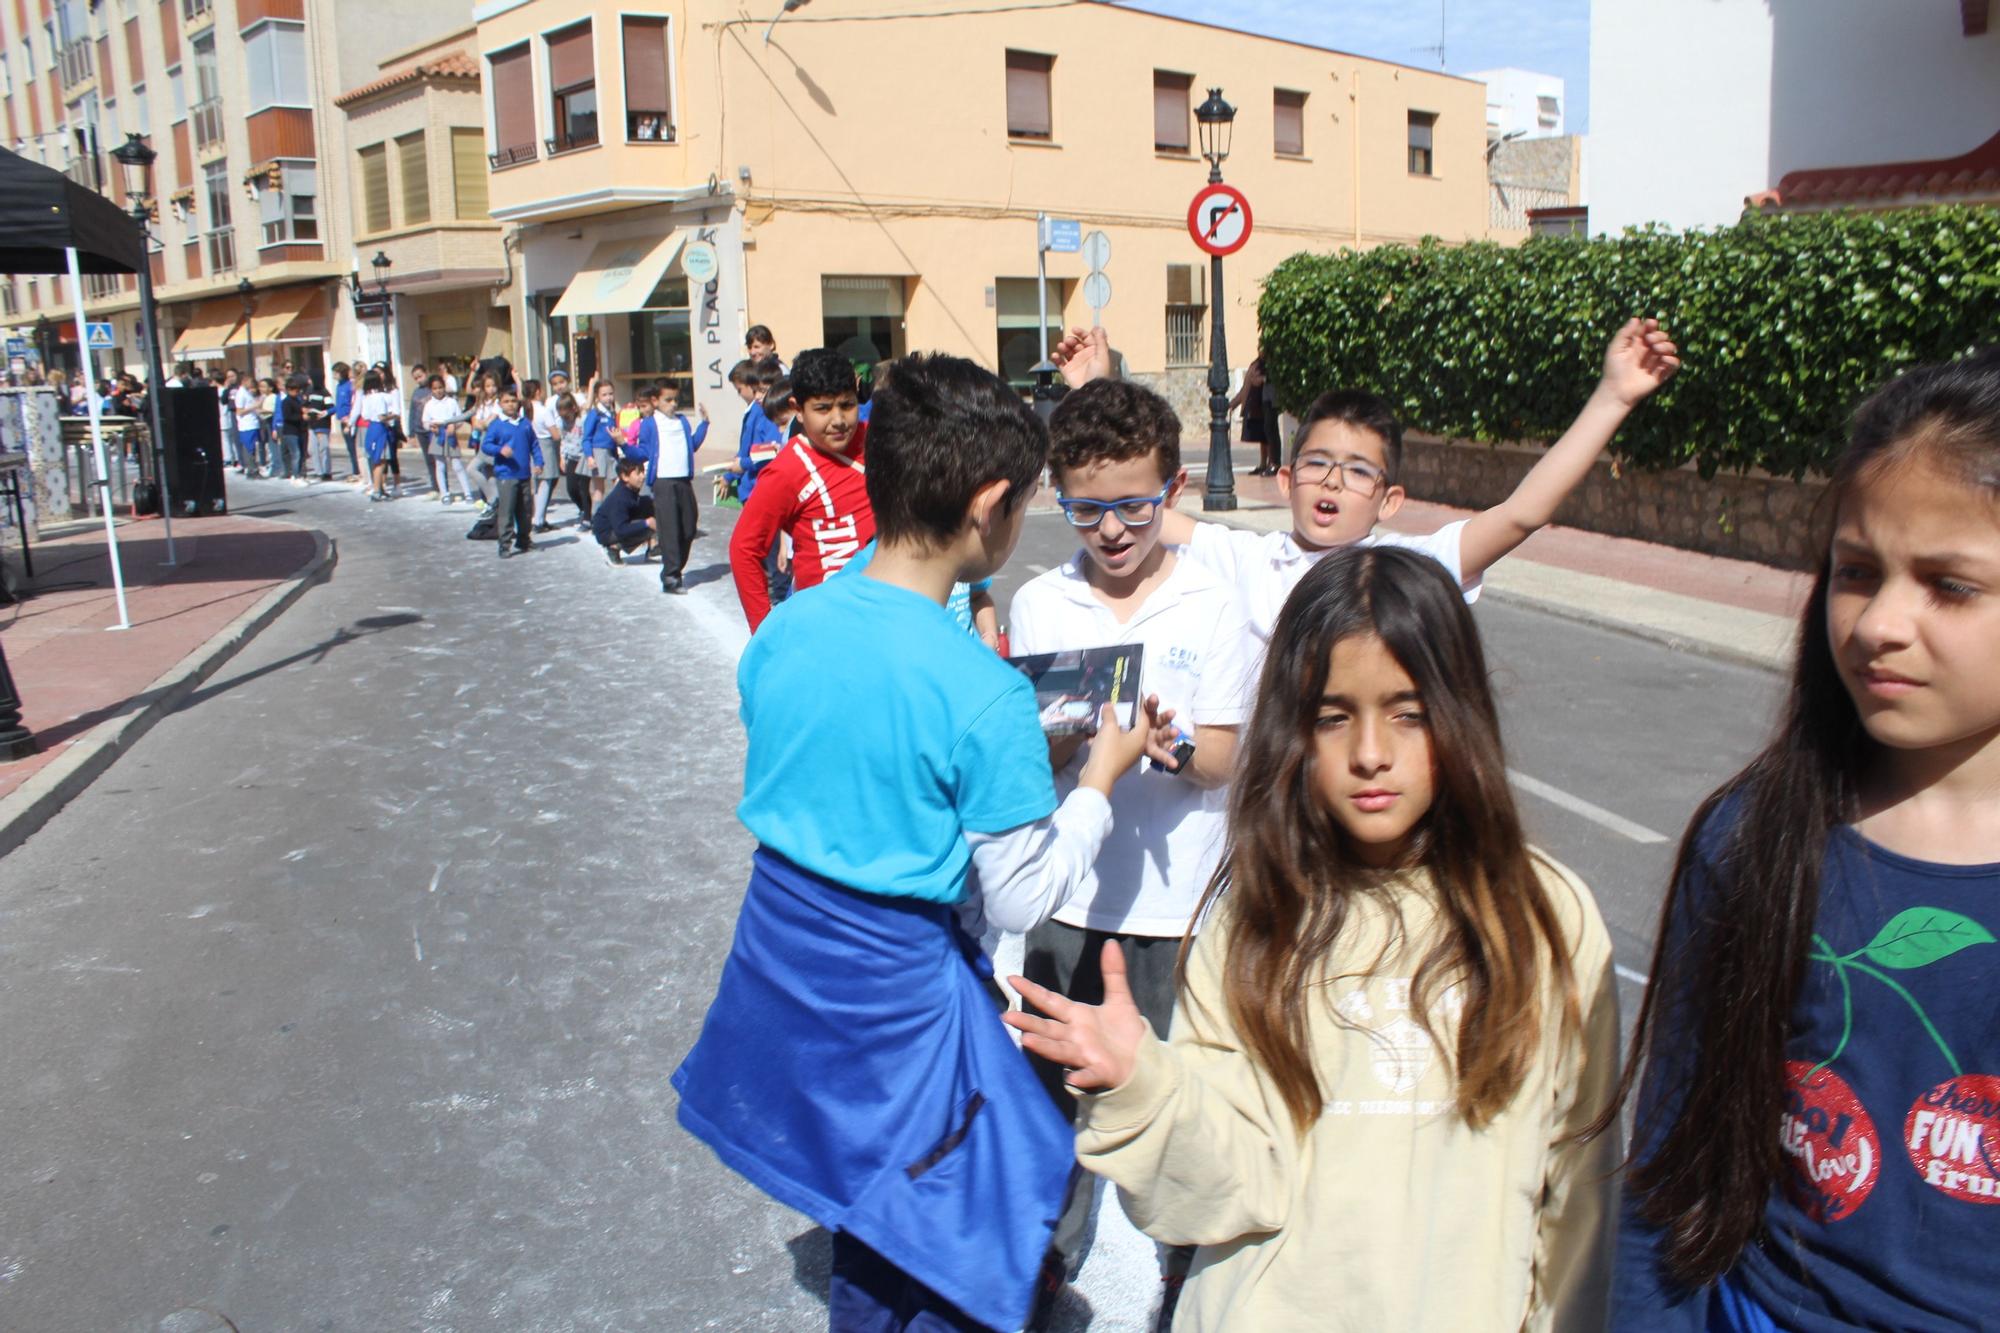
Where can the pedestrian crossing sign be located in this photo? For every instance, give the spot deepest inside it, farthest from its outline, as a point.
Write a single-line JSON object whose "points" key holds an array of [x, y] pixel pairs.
{"points": [[99, 336]]}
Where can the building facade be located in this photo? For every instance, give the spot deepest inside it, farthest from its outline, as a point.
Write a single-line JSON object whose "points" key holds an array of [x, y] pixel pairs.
{"points": [[869, 179], [1522, 104]]}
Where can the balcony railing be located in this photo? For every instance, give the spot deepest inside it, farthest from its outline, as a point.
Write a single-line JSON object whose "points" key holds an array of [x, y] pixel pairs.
{"points": [[207, 118], [192, 10], [508, 157], [76, 63], [575, 139], [1184, 334]]}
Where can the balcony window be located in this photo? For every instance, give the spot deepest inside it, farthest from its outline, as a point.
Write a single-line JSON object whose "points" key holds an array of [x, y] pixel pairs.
{"points": [[375, 188], [1423, 125], [289, 209], [413, 165], [1288, 123], [221, 234], [648, 102], [1028, 109], [274, 56], [572, 89], [511, 79], [207, 111], [1170, 111], [193, 10], [468, 173]]}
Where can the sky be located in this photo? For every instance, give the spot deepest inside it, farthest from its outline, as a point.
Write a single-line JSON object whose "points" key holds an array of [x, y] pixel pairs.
{"points": [[1547, 36]]}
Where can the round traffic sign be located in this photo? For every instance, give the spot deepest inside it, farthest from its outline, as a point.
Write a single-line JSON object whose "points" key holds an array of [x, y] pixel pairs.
{"points": [[1219, 219], [1096, 250], [699, 262], [1097, 291]]}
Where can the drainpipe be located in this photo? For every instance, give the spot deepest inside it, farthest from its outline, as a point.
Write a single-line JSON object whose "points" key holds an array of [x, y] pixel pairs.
{"points": [[1354, 128]]}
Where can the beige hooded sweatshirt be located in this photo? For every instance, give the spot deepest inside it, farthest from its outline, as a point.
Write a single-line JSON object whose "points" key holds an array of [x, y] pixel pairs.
{"points": [[1389, 1215]]}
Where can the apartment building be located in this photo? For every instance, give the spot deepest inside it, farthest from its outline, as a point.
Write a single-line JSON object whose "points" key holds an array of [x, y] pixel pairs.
{"points": [[234, 96], [868, 177]]}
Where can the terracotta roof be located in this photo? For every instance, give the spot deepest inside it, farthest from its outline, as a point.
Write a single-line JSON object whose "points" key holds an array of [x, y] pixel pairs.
{"points": [[455, 65], [1970, 175]]}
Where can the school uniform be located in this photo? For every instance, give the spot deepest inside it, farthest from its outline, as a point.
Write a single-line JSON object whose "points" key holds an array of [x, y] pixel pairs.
{"points": [[244, 404], [667, 443], [600, 442], [619, 521], [513, 474], [343, 413], [319, 423], [290, 417]]}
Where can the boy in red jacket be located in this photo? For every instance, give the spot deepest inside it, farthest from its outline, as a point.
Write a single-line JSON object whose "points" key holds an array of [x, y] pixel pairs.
{"points": [[815, 491]]}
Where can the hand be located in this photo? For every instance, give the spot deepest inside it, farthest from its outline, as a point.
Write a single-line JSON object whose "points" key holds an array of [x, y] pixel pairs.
{"points": [[1097, 1043], [1640, 359], [704, 411], [1113, 750], [652, 525], [506, 451], [1161, 738], [1083, 356]]}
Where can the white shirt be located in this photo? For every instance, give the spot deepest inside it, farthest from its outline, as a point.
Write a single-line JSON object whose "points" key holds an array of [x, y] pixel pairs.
{"points": [[548, 425], [441, 412], [378, 406], [245, 402], [1167, 834], [1020, 876], [1264, 567], [676, 446]]}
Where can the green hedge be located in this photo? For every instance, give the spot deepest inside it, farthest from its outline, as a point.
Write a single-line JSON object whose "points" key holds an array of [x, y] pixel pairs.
{"points": [[1783, 324]]}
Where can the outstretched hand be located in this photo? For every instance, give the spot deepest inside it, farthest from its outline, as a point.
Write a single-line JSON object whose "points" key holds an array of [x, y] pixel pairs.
{"points": [[1083, 356], [1640, 359], [1114, 750], [1097, 1043]]}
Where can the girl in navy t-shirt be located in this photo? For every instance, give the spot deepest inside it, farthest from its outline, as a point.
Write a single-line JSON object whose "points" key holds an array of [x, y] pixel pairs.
{"points": [[1817, 1144]]}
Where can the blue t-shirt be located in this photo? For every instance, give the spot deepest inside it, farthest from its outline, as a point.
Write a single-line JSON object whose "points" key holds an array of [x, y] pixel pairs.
{"points": [[880, 735], [959, 605], [1889, 1216]]}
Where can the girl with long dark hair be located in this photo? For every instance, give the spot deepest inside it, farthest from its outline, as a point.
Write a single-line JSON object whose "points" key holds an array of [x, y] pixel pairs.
{"points": [[1391, 1033], [1817, 1143]]}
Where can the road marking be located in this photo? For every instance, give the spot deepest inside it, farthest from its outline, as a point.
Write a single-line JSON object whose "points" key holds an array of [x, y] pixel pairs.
{"points": [[1632, 975], [1576, 805], [1038, 569]]}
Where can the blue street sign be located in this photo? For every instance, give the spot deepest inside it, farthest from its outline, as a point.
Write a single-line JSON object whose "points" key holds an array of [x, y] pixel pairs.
{"points": [[99, 336], [1062, 235], [17, 347]]}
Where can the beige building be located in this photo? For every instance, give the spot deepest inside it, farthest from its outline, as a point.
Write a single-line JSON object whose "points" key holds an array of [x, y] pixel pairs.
{"points": [[868, 177]]}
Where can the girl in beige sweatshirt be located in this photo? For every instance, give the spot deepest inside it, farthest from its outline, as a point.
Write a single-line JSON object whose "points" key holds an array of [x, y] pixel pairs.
{"points": [[1396, 1022]]}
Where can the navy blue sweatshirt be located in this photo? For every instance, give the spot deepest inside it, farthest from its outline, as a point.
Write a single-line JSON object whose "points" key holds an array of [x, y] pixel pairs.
{"points": [[519, 436], [1890, 1213], [621, 505]]}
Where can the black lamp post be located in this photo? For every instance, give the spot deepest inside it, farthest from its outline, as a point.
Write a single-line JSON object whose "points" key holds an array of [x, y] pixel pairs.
{"points": [[249, 295], [135, 158], [380, 263], [1214, 118]]}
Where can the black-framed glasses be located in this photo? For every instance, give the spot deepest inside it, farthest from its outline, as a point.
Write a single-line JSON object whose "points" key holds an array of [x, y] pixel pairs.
{"points": [[1136, 512], [1364, 479]]}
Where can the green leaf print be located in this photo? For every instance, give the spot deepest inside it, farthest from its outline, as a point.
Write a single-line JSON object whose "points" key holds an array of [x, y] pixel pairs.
{"points": [[1920, 936]]}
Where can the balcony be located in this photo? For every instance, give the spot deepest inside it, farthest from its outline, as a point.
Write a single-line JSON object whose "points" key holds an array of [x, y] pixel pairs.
{"points": [[582, 136], [509, 157], [76, 63], [194, 11], [207, 117]]}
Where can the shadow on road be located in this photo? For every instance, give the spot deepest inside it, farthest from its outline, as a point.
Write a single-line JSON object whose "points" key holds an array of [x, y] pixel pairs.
{"points": [[360, 629], [812, 1261]]}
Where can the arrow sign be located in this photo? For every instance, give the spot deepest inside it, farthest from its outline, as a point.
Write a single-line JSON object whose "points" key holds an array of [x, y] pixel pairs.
{"points": [[1219, 219]]}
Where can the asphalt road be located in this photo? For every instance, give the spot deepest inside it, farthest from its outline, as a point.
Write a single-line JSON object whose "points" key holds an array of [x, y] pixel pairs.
{"points": [[347, 999]]}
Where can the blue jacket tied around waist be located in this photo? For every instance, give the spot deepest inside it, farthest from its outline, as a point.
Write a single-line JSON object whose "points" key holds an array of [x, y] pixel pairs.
{"points": [[853, 1067]]}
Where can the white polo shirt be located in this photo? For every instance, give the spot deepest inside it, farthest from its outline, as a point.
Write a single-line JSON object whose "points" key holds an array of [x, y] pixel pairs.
{"points": [[1166, 834], [676, 446], [1264, 567]]}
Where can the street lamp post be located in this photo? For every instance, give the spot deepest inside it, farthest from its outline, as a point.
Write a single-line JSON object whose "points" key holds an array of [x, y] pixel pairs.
{"points": [[249, 295], [380, 263], [1214, 118], [135, 159]]}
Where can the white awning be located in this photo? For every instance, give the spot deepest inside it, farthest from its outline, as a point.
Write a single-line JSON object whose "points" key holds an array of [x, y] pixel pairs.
{"points": [[620, 276]]}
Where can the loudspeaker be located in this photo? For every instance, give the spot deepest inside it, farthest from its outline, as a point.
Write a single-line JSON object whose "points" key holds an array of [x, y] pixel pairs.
{"points": [[191, 456]]}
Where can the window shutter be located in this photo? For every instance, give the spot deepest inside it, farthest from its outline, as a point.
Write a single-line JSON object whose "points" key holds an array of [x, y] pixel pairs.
{"points": [[468, 172], [414, 165], [646, 66], [1028, 95], [1288, 119], [1170, 111], [375, 186], [570, 60], [1184, 284], [513, 100]]}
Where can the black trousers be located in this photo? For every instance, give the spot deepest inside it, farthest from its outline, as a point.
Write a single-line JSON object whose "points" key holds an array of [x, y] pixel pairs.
{"points": [[675, 510], [578, 487], [511, 516]]}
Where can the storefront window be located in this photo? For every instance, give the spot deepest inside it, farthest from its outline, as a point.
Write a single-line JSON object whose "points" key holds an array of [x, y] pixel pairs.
{"points": [[862, 319], [662, 340], [1019, 313]]}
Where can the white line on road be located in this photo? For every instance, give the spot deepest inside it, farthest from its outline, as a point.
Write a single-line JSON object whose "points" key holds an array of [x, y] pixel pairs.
{"points": [[1576, 805], [1038, 569], [1636, 977]]}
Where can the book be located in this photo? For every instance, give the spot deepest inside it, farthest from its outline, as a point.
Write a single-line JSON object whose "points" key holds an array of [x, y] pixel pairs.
{"points": [[1072, 687]]}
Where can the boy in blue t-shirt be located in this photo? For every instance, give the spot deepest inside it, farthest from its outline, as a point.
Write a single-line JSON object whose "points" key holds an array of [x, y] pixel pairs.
{"points": [[852, 1065]]}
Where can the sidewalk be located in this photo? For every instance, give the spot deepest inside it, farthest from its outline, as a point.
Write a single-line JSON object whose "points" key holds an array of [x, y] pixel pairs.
{"points": [[1729, 609], [89, 689]]}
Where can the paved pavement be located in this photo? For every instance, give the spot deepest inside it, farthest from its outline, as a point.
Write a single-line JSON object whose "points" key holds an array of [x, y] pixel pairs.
{"points": [[357, 982]]}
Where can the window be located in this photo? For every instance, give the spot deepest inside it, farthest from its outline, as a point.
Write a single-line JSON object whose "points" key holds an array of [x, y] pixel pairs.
{"points": [[221, 235], [208, 93], [1170, 111], [49, 38], [1187, 309], [511, 78], [142, 113], [414, 166], [573, 89], [1548, 111], [1020, 347], [468, 172], [648, 106], [862, 318], [7, 90], [661, 340], [274, 55], [177, 89], [290, 208], [1422, 124], [1028, 114], [1288, 123], [10, 304], [375, 187]]}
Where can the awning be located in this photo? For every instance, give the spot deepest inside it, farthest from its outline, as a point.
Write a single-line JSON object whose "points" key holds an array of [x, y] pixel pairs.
{"points": [[312, 325], [620, 276], [214, 324], [276, 309]]}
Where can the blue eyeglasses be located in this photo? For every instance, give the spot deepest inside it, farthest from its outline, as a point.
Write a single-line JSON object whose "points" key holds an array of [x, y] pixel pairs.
{"points": [[1134, 513]]}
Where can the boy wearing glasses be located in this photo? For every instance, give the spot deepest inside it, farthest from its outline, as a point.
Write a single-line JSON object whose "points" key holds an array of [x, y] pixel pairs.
{"points": [[1343, 479], [1115, 459]]}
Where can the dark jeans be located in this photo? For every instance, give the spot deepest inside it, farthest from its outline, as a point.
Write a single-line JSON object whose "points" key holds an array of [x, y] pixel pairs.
{"points": [[289, 449], [868, 1294], [1069, 961], [578, 487], [353, 450], [630, 536], [675, 509], [510, 513]]}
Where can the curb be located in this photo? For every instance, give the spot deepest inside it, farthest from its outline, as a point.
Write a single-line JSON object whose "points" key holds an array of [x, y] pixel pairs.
{"points": [[1713, 649], [41, 796]]}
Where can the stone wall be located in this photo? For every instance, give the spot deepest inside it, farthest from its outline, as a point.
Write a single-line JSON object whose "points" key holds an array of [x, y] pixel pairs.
{"points": [[1766, 519], [1187, 391]]}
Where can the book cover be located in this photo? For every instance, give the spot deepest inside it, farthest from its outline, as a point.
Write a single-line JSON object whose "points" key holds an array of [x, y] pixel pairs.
{"points": [[1072, 687]]}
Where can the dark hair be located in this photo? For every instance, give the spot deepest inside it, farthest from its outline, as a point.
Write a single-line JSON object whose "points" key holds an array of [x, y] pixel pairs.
{"points": [[341, 368], [566, 406], [1109, 421], [1733, 981], [1291, 879], [778, 398], [941, 428], [530, 390], [1364, 411], [630, 463], [758, 333], [372, 382], [298, 383], [743, 372], [769, 370], [434, 379], [823, 373]]}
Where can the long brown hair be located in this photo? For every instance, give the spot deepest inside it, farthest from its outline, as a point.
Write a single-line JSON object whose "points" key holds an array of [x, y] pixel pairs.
{"points": [[1706, 1152], [1292, 879]]}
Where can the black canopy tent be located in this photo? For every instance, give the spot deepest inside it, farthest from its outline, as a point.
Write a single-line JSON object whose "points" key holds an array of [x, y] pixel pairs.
{"points": [[51, 224]]}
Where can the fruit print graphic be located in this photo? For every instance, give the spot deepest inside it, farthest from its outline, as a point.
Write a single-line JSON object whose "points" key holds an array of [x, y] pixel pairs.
{"points": [[1953, 1134], [1830, 1139]]}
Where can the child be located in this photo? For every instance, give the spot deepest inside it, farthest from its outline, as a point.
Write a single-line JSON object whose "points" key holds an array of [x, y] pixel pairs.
{"points": [[575, 469], [485, 410], [509, 441], [1115, 457], [442, 414], [776, 418], [668, 443], [267, 425], [1396, 1023], [243, 402], [1816, 1143], [419, 429], [319, 422], [761, 345], [624, 519], [600, 437], [815, 492], [751, 455], [851, 1064], [343, 415], [1342, 481], [378, 407], [548, 433], [291, 418]]}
